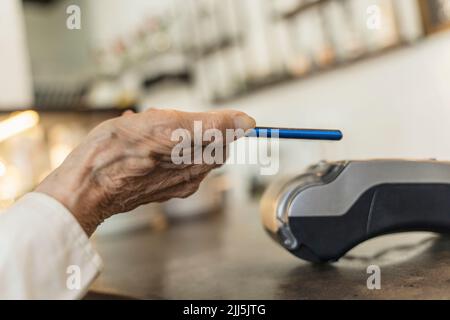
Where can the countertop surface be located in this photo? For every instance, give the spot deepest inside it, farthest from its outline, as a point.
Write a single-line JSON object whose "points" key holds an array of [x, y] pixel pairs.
{"points": [[229, 256]]}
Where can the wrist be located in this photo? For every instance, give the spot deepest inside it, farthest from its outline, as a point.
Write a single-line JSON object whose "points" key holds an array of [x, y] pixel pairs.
{"points": [[72, 185]]}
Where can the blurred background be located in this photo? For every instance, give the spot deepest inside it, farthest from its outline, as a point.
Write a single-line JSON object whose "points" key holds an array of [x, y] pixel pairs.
{"points": [[377, 69]]}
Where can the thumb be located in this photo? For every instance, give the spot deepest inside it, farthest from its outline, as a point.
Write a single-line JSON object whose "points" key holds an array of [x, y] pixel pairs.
{"points": [[127, 113]]}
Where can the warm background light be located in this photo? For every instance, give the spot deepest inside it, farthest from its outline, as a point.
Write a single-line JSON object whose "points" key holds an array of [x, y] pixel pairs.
{"points": [[18, 123], [2, 169]]}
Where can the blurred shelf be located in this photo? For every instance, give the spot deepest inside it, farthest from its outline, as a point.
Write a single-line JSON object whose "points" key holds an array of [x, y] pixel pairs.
{"points": [[304, 7], [41, 1], [257, 86], [181, 77], [221, 45]]}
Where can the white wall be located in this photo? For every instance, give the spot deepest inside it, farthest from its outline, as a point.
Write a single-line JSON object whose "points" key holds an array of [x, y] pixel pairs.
{"points": [[15, 77]]}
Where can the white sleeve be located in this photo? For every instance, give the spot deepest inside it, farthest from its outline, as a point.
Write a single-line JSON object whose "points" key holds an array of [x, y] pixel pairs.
{"points": [[44, 252]]}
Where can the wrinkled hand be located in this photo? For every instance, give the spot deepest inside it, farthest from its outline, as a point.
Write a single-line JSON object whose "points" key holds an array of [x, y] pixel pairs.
{"points": [[126, 162]]}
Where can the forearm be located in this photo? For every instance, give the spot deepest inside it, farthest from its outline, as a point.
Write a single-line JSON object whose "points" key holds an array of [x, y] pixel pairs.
{"points": [[73, 184]]}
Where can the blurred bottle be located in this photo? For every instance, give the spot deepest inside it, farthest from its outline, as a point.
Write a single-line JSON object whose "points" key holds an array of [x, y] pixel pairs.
{"points": [[409, 20], [258, 47], [342, 30], [376, 22], [308, 41]]}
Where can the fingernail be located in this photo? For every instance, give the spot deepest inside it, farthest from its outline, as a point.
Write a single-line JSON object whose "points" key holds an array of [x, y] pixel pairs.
{"points": [[243, 121]]}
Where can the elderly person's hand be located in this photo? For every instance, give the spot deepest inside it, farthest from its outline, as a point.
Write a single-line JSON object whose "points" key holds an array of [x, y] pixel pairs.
{"points": [[126, 162]]}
